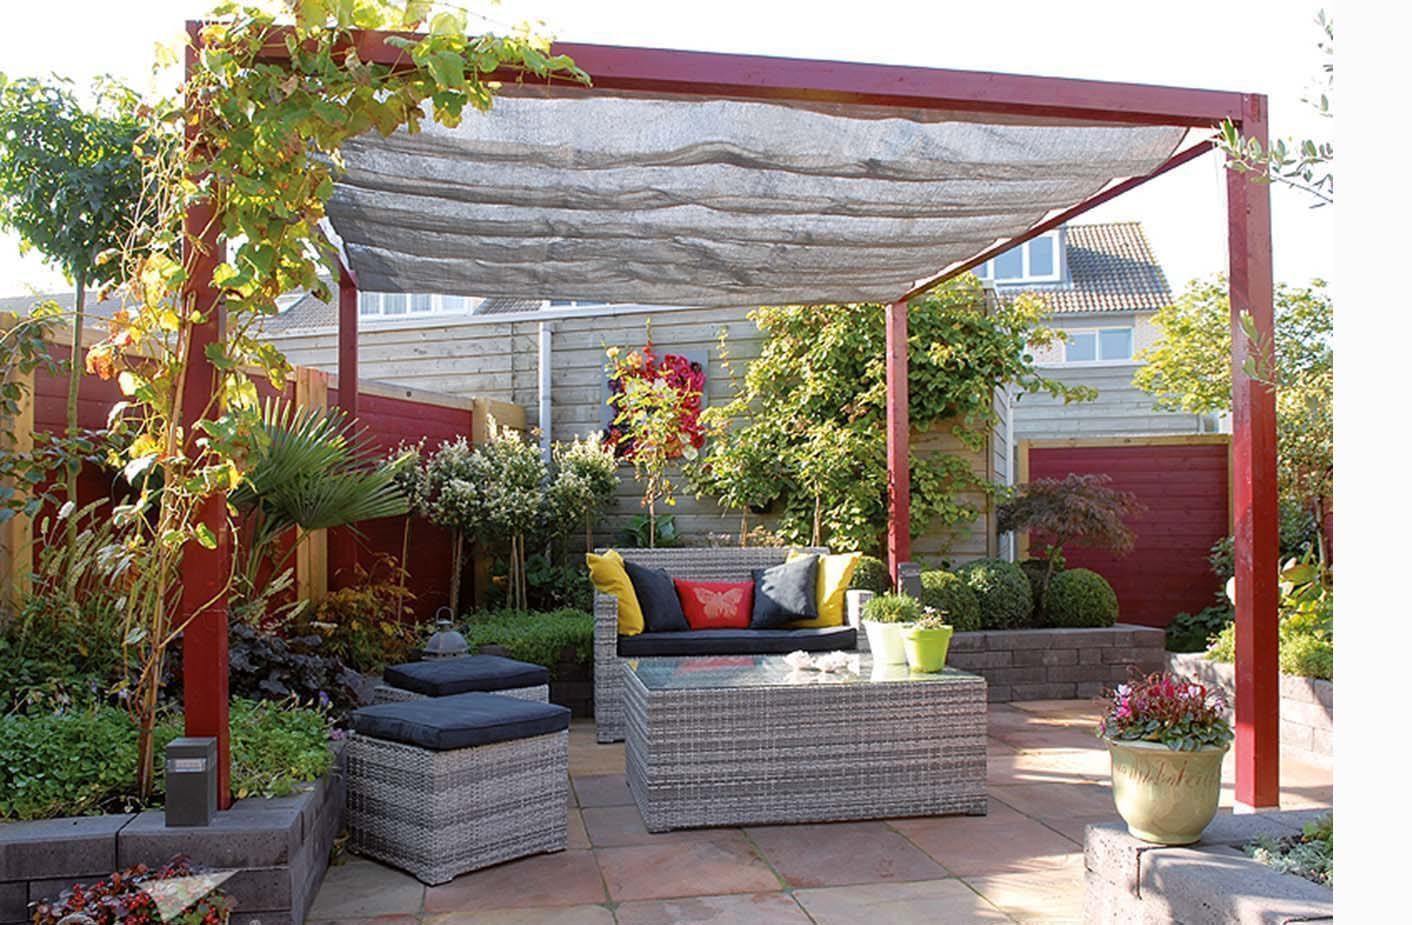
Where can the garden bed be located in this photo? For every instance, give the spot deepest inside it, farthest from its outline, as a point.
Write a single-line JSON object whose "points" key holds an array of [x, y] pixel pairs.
{"points": [[1306, 705], [1132, 881], [1056, 664], [280, 846]]}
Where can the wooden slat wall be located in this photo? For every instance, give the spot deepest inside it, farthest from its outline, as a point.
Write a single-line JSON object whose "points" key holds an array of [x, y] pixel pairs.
{"points": [[500, 361]]}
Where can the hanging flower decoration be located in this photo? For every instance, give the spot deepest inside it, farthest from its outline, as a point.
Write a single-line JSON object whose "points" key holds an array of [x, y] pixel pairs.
{"points": [[641, 385]]}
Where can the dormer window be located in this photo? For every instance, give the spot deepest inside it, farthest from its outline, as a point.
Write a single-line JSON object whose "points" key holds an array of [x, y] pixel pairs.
{"points": [[1035, 261]]}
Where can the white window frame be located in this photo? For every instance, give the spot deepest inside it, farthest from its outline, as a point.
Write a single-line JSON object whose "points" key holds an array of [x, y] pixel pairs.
{"points": [[987, 269], [1099, 359], [439, 306]]}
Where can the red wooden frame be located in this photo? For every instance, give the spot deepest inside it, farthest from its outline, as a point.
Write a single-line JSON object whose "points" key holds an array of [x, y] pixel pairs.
{"points": [[1011, 97]]}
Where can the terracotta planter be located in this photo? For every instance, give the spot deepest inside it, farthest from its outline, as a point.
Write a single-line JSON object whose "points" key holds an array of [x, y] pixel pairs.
{"points": [[885, 642], [1166, 797], [926, 648]]}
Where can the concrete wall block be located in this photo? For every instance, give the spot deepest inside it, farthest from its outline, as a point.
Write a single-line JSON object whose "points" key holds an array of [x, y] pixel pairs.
{"points": [[1323, 743], [1091, 656], [1222, 885], [1149, 637], [1296, 736], [967, 642], [1324, 693], [1312, 714], [997, 693], [14, 901], [981, 661], [996, 640], [1147, 658], [1293, 687], [253, 838], [1069, 673], [1027, 657], [262, 889], [1011, 676], [1088, 689], [1046, 691], [72, 847]]}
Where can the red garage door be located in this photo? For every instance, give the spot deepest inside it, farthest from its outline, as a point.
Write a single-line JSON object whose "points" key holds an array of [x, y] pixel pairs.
{"points": [[1183, 481]]}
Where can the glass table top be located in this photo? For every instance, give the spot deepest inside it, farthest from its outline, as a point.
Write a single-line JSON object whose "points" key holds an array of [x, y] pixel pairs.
{"points": [[717, 671]]}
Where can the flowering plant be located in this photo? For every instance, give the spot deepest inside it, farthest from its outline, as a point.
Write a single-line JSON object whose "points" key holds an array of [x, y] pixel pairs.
{"points": [[658, 418], [175, 894], [1180, 714]]}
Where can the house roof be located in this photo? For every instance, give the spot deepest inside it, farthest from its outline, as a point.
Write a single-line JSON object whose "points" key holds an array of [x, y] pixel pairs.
{"points": [[93, 309], [1111, 269]]}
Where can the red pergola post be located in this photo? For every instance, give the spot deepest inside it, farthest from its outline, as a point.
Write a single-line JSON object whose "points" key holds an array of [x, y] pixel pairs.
{"points": [[899, 476], [205, 645], [1254, 493], [347, 341]]}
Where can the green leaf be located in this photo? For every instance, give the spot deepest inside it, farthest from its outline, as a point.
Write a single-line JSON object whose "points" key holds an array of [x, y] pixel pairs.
{"points": [[205, 537]]}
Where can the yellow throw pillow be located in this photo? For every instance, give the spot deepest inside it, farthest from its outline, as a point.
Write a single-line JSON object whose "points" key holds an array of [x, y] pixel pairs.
{"points": [[609, 577], [835, 573]]}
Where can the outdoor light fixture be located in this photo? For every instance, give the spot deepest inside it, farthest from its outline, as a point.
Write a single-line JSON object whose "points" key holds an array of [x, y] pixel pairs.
{"points": [[445, 642], [909, 579], [191, 781]]}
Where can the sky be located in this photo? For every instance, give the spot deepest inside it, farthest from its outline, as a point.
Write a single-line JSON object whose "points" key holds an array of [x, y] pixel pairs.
{"points": [[1263, 47]]}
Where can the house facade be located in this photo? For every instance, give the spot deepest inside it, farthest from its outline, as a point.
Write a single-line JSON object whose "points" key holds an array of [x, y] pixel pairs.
{"points": [[1103, 285]]}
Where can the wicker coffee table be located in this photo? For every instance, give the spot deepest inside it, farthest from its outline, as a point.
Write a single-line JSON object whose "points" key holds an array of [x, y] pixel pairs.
{"points": [[746, 740]]}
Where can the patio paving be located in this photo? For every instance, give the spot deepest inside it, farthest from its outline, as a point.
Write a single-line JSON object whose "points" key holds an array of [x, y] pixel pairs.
{"points": [[1022, 863]]}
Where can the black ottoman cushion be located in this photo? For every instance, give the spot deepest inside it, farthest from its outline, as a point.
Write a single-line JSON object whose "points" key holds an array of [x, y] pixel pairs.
{"points": [[441, 677], [444, 724]]}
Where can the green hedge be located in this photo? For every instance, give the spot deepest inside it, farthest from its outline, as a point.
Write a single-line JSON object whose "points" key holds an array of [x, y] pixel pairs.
{"points": [[537, 637], [871, 574], [948, 593], [85, 761], [1003, 591], [1081, 597]]}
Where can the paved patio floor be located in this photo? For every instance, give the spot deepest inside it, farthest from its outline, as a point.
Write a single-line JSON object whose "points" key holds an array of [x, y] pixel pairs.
{"points": [[1021, 863]]}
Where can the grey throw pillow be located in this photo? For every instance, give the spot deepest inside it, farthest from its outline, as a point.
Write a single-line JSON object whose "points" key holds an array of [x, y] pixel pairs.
{"points": [[661, 608], [785, 593]]}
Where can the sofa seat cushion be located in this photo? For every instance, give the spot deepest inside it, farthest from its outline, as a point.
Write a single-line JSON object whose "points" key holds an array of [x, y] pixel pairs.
{"points": [[739, 642], [443, 677], [460, 721]]}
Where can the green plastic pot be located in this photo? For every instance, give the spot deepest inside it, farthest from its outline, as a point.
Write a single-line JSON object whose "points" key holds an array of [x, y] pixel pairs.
{"points": [[1166, 797], [926, 648]]}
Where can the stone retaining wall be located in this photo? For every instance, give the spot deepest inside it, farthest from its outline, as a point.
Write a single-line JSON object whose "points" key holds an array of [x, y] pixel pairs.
{"points": [[1306, 705], [1132, 882], [280, 848], [1056, 664]]}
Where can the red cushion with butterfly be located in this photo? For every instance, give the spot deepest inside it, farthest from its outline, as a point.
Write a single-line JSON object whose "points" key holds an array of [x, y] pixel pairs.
{"points": [[716, 605]]}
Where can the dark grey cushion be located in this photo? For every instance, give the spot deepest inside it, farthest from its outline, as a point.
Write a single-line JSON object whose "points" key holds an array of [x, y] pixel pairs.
{"points": [[460, 721], [739, 642], [785, 593], [441, 677], [661, 608]]}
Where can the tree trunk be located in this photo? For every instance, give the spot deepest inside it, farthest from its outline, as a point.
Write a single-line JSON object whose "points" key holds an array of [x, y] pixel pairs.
{"points": [[651, 522], [402, 564], [818, 516], [744, 524], [456, 550], [71, 416], [1044, 583]]}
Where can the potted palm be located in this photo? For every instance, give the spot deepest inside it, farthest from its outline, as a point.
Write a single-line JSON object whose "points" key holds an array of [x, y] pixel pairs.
{"points": [[885, 617], [1166, 736], [927, 640]]}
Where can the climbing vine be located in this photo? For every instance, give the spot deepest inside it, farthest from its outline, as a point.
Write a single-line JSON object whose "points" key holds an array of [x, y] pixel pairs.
{"points": [[805, 432], [255, 142]]}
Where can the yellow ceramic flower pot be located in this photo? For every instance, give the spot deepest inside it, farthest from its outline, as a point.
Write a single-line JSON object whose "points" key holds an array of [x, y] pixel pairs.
{"points": [[1166, 797]]}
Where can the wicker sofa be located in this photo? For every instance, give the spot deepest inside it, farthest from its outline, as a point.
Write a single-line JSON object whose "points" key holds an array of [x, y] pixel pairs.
{"points": [[706, 564]]}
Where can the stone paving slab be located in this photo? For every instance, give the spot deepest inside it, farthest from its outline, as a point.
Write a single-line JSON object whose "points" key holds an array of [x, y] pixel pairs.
{"points": [[743, 908]]}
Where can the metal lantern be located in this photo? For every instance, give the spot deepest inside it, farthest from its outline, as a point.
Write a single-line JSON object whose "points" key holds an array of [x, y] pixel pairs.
{"points": [[445, 642]]}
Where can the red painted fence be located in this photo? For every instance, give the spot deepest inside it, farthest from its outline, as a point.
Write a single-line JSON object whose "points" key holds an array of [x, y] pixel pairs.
{"points": [[391, 414], [1183, 481]]}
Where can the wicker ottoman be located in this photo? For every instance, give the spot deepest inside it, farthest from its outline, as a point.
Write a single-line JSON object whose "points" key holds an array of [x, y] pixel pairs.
{"points": [[446, 785], [442, 677]]}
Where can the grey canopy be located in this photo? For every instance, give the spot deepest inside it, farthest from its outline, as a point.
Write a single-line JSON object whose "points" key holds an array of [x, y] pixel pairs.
{"points": [[674, 201]]}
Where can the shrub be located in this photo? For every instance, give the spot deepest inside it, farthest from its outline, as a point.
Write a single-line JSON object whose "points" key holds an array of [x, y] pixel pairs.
{"points": [[358, 624], [953, 597], [536, 637], [1003, 591], [1080, 597], [1193, 632], [871, 574], [1310, 855], [892, 608], [124, 898], [84, 761]]}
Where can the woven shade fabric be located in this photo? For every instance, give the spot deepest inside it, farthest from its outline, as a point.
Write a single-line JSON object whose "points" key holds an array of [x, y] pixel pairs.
{"points": [[707, 202]]}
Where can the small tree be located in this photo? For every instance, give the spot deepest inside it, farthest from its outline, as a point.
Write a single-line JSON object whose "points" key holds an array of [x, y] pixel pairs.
{"points": [[70, 184], [1079, 509], [453, 498], [658, 405], [513, 496], [409, 474], [585, 478]]}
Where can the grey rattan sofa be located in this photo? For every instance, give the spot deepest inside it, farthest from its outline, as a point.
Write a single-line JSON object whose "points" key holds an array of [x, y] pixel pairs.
{"points": [[725, 563]]}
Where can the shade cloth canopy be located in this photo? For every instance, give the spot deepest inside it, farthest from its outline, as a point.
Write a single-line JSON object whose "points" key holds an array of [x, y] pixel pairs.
{"points": [[563, 194]]}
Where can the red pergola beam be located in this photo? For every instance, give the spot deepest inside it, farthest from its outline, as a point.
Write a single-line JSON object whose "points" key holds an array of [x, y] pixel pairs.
{"points": [[899, 439]]}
